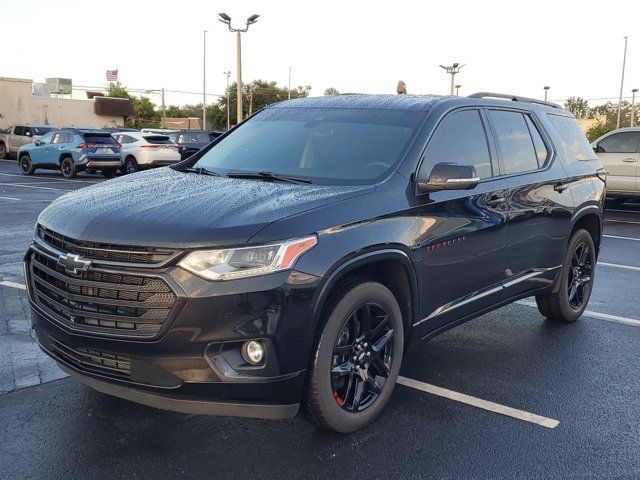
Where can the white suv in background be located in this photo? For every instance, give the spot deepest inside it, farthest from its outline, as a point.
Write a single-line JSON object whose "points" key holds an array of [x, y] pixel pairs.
{"points": [[619, 153], [142, 150]]}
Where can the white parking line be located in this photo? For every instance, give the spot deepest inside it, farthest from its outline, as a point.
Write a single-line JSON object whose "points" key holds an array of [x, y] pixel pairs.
{"points": [[9, 198], [592, 314], [51, 178], [32, 186], [7, 283], [622, 238], [615, 265], [620, 221], [479, 403]]}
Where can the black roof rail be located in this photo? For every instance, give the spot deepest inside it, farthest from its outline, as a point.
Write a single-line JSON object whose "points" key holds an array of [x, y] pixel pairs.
{"points": [[514, 98]]}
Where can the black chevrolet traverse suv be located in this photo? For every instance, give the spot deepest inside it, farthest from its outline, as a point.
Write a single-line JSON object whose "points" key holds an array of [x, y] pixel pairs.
{"points": [[290, 263]]}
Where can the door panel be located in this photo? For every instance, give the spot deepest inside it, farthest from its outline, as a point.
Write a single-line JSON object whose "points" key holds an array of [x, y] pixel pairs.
{"points": [[619, 155]]}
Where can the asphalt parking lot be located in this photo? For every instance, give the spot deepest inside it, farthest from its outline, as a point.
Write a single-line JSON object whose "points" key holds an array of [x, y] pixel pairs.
{"points": [[508, 395]]}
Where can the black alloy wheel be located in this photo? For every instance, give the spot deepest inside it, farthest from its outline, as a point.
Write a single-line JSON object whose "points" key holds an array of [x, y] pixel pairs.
{"points": [[362, 358], [579, 278]]}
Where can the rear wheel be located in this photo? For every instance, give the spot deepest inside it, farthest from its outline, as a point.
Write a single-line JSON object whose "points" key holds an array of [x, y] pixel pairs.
{"points": [[68, 167], [3, 151], [131, 165], [357, 358], [26, 166], [576, 281]]}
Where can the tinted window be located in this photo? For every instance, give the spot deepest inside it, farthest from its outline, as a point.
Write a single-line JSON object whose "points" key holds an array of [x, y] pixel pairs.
{"points": [[19, 131], [57, 137], [623, 142], [158, 139], [459, 138], [98, 138], [47, 138], [514, 142], [574, 143], [538, 143], [40, 130], [332, 146], [193, 137]]}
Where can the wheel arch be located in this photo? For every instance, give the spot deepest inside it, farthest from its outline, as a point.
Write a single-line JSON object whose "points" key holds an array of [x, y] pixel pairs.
{"points": [[64, 155], [389, 266]]}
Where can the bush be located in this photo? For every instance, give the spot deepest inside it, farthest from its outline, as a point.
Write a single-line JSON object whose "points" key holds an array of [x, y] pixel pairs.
{"points": [[599, 129]]}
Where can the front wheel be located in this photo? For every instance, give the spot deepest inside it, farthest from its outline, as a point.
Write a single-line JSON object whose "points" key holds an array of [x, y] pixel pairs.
{"points": [[68, 167], [26, 166], [3, 151], [357, 358], [576, 281]]}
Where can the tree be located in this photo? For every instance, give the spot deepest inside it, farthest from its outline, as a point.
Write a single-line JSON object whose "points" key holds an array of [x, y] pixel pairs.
{"points": [[578, 106], [329, 92], [117, 90], [596, 131]]}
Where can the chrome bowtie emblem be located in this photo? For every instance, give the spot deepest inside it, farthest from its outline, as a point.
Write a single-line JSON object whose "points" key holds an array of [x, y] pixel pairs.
{"points": [[73, 263]]}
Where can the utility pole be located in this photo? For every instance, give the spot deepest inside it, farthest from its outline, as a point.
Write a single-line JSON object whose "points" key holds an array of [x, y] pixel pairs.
{"points": [[633, 106], [226, 19], [452, 70], [164, 113], [458, 90], [289, 90], [204, 81], [228, 74], [250, 101], [624, 62], [546, 92]]}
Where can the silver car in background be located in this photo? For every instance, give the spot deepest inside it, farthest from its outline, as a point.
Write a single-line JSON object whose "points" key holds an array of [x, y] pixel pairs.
{"points": [[141, 150], [619, 153]]}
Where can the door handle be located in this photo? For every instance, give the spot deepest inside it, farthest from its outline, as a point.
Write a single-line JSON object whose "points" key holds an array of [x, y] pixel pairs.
{"points": [[60, 148], [629, 160], [560, 187], [496, 201]]}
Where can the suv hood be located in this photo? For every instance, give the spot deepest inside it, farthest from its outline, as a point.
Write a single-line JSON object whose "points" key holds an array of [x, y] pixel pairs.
{"points": [[165, 207]]}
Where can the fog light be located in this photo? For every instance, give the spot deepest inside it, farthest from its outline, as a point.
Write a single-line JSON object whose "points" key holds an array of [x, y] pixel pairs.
{"points": [[253, 352]]}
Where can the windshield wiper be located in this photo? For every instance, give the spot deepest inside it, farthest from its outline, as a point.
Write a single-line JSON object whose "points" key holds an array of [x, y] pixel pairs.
{"points": [[202, 171], [269, 176]]}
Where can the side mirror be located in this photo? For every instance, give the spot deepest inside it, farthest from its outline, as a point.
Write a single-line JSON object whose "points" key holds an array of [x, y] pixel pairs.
{"points": [[449, 176], [38, 143], [28, 133]]}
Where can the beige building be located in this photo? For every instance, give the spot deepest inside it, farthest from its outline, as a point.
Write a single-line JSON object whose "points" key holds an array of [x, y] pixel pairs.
{"points": [[19, 105]]}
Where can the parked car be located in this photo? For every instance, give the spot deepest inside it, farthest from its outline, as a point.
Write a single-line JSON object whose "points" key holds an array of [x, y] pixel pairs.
{"points": [[119, 129], [291, 263], [192, 141], [72, 151], [20, 135], [142, 150], [619, 153]]}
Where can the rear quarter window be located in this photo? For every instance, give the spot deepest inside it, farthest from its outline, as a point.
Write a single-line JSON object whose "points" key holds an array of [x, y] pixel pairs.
{"points": [[573, 141]]}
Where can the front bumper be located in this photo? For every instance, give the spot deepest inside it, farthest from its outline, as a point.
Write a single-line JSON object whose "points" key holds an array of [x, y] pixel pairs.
{"points": [[193, 363]]}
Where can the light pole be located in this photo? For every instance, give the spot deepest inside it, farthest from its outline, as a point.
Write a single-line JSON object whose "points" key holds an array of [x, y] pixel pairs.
{"points": [[458, 90], [633, 106], [546, 92], [226, 19], [624, 61], [452, 70], [161, 92], [228, 74], [204, 80]]}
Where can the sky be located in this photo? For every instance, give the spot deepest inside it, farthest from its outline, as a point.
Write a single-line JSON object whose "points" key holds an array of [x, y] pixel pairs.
{"points": [[516, 47]]}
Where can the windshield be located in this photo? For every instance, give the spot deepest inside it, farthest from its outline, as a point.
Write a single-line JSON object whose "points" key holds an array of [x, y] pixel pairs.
{"points": [[333, 146], [40, 130]]}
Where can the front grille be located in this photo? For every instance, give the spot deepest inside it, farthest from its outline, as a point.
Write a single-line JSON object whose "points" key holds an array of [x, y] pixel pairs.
{"points": [[90, 360], [99, 301], [105, 251]]}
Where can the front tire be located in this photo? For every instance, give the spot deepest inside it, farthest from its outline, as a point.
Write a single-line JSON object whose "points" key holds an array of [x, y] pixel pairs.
{"points": [[576, 281], [357, 358], [3, 151], [26, 166], [68, 167]]}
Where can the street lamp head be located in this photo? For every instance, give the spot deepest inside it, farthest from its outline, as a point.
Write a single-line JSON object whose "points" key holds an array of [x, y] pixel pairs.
{"points": [[442, 66], [252, 19], [458, 86], [634, 90], [224, 18], [455, 65], [546, 87]]}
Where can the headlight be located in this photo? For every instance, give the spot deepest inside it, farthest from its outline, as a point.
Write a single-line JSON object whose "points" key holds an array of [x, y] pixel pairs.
{"points": [[244, 262]]}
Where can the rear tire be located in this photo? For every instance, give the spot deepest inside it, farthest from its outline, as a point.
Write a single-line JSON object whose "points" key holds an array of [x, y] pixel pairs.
{"points": [[26, 166], [576, 281], [130, 165], [355, 366], [68, 167]]}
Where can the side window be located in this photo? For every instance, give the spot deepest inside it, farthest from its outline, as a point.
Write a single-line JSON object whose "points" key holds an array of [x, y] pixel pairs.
{"points": [[460, 138], [515, 144], [58, 137], [68, 138], [19, 130], [47, 138], [120, 139], [573, 140], [623, 142], [538, 143]]}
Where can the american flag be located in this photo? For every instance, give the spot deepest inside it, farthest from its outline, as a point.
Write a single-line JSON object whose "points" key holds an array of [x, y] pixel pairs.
{"points": [[112, 75]]}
